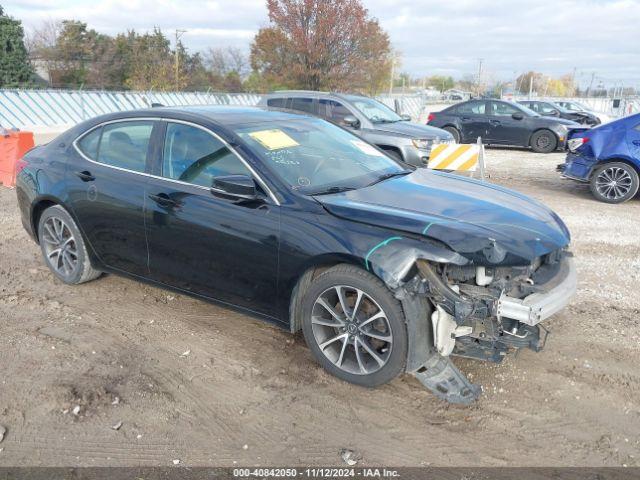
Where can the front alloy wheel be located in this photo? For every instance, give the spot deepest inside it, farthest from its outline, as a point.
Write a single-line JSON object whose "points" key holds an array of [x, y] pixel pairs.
{"points": [[351, 330], [354, 326]]}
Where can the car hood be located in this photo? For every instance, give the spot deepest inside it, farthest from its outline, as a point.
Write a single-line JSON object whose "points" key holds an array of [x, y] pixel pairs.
{"points": [[413, 130], [485, 223], [564, 121]]}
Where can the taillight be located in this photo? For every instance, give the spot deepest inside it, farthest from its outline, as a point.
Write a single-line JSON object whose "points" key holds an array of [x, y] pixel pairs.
{"points": [[576, 143], [431, 116]]}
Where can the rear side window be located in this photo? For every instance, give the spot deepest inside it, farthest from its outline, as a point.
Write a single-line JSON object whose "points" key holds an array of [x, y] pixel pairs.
{"points": [[125, 145], [332, 110], [476, 108], [89, 143], [276, 102], [300, 104]]}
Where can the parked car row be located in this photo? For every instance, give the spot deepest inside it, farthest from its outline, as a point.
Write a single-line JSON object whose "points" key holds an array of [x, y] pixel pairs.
{"points": [[500, 122], [550, 109]]}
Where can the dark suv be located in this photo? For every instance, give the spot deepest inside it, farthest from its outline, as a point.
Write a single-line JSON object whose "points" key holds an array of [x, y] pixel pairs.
{"points": [[373, 121]]}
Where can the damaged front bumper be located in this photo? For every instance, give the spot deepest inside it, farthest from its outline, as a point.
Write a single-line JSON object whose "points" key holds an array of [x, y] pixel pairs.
{"points": [[539, 306]]}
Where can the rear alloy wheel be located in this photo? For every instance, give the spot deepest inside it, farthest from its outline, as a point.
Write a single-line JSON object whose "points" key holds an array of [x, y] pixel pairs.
{"points": [[544, 141], [614, 182], [63, 247], [453, 131], [354, 326]]}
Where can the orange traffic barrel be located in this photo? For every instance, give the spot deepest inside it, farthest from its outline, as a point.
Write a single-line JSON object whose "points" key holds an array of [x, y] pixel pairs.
{"points": [[13, 145]]}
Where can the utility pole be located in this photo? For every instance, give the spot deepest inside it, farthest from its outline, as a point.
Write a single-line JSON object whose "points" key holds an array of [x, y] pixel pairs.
{"points": [[593, 76], [480, 60], [531, 85], [177, 57], [393, 72]]}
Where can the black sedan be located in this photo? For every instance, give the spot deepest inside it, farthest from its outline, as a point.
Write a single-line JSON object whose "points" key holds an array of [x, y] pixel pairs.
{"points": [[385, 268], [550, 109], [499, 122]]}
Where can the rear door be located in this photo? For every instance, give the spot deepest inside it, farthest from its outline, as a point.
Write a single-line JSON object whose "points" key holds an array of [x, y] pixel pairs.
{"points": [[303, 105], [503, 128], [473, 120], [202, 240], [106, 181]]}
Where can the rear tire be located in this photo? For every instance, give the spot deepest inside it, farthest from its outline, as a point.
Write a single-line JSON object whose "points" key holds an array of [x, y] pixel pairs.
{"points": [[453, 131], [614, 182], [63, 247], [367, 344], [544, 141]]}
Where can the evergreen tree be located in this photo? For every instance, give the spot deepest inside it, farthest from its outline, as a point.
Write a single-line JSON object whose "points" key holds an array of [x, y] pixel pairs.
{"points": [[15, 67]]}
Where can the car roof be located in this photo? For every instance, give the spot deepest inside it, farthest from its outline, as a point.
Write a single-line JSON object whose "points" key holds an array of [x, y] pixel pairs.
{"points": [[222, 114], [314, 94]]}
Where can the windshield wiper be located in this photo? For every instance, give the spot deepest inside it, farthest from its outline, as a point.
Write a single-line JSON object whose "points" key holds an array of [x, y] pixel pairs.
{"points": [[330, 190], [387, 176], [385, 120]]}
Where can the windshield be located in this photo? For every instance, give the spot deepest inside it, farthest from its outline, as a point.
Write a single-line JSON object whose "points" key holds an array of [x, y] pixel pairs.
{"points": [[313, 156], [375, 111]]}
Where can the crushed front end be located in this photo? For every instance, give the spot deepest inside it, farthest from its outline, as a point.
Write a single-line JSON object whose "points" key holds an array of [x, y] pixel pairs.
{"points": [[485, 313]]}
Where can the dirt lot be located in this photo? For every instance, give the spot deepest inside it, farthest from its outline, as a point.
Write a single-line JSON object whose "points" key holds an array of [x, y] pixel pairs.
{"points": [[249, 393]]}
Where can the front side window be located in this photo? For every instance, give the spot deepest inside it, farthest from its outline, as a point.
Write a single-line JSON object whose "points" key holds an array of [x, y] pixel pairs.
{"points": [[121, 144], [500, 109], [195, 156], [375, 111], [311, 155], [332, 110]]}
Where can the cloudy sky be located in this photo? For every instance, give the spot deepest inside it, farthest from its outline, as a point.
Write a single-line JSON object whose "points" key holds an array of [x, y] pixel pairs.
{"points": [[600, 37]]}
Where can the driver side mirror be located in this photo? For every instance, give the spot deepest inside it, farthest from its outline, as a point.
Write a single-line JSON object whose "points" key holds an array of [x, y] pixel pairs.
{"points": [[351, 121], [242, 186], [517, 116]]}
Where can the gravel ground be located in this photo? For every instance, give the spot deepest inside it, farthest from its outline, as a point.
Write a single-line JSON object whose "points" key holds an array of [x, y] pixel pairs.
{"points": [[115, 372]]}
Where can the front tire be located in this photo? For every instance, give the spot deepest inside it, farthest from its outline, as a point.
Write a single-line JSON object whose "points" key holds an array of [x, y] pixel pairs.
{"points": [[614, 182], [544, 141], [354, 326], [63, 247]]}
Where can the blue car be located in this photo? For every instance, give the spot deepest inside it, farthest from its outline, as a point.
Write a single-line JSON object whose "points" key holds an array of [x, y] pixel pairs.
{"points": [[608, 157]]}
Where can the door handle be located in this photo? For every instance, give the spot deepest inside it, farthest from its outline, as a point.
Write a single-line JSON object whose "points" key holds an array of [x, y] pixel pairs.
{"points": [[163, 200], [85, 176], [465, 119], [636, 143], [495, 122]]}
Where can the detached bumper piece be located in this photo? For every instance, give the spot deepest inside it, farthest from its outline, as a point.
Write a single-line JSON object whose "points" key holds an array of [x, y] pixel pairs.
{"points": [[535, 308], [445, 381]]}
